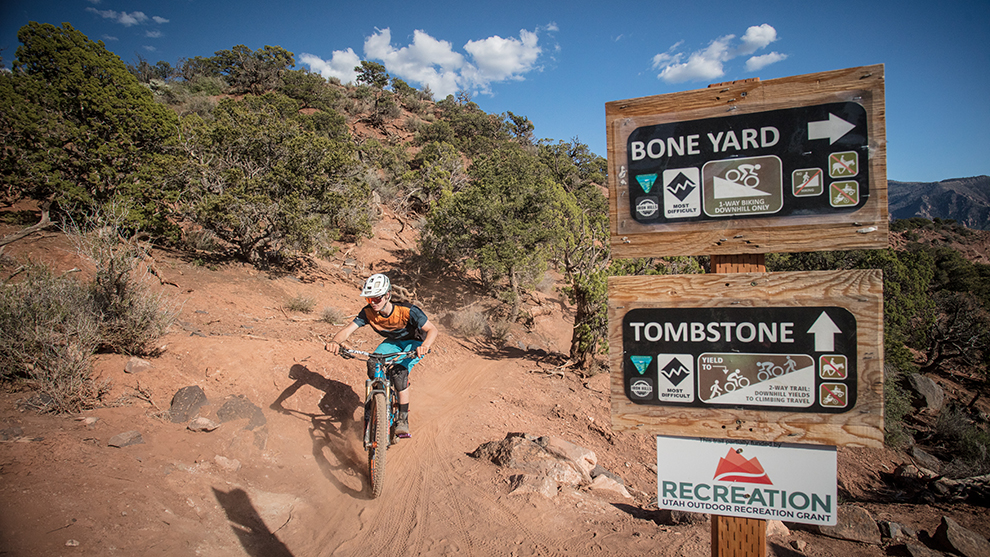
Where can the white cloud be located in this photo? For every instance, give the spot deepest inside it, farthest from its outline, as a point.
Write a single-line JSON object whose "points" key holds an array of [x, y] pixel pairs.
{"points": [[757, 37], [709, 63], [433, 62], [499, 59], [429, 61], [124, 18], [153, 34], [149, 48], [110, 38], [758, 62], [341, 64]]}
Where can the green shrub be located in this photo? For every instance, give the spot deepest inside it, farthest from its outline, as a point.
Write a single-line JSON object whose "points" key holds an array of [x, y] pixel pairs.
{"points": [[48, 333], [897, 405], [967, 442], [131, 318]]}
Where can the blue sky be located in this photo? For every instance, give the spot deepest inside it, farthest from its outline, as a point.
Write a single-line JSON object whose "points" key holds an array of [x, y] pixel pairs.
{"points": [[559, 63]]}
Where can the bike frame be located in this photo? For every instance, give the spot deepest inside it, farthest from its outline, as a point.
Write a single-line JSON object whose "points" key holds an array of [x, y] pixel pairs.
{"points": [[379, 383]]}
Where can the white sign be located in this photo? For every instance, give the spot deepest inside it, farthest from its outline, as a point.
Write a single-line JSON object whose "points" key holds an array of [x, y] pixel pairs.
{"points": [[748, 479]]}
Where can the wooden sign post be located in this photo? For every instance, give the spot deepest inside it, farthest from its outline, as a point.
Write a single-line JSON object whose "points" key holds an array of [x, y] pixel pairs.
{"points": [[734, 536], [736, 171]]}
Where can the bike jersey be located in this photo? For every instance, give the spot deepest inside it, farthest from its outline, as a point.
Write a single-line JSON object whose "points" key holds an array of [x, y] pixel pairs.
{"points": [[405, 322]]}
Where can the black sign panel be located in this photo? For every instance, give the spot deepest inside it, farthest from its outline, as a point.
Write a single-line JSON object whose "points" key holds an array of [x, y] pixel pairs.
{"points": [[811, 160], [794, 359]]}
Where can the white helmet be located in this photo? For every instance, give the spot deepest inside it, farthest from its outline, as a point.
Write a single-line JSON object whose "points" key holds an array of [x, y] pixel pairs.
{"points": [[376, 285]]}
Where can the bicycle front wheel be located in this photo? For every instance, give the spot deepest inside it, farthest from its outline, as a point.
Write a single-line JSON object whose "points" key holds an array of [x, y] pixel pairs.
{"points": [[379, 443]]}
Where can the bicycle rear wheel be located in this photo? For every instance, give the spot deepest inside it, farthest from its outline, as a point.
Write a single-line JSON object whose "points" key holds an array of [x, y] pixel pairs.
{"points": [[379, 443]]}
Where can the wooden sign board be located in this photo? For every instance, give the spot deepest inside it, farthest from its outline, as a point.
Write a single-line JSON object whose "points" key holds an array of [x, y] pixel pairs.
{"points": [[783, 357], [796, 164]]}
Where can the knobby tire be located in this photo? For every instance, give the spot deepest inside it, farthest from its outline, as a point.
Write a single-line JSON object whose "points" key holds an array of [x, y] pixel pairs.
{"points": [[379, 444]]}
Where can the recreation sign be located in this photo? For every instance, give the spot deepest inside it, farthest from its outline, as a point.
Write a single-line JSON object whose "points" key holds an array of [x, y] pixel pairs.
{"points": [[793, 164], [748, 479], [767, 356]]}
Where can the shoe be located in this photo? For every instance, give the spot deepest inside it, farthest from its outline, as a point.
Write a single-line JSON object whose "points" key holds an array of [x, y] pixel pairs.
{"points": [[402, 425]]}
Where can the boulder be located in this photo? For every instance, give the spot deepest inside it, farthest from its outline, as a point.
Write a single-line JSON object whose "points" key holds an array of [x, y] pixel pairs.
{"points": [[777, 528], [925, 460], [528, 454], [126, 439], [918, 550], [137, 365], [854, 524], [529, 483], [605, 483], [896, 531], [239, 407], [962, 541], [583, 459], [202, 424], [928, 395], [186, 402]]}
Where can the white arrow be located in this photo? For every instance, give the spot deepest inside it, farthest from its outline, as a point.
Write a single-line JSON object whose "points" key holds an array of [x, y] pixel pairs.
{"points": [[833, 129], [824, 330]]}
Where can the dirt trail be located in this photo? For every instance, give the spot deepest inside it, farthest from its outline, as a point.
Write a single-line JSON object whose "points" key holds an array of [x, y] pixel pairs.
{"points": [[297, 485]]}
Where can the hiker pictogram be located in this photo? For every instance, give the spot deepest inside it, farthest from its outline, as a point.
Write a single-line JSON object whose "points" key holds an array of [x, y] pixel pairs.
{"points": [[807, 182]]}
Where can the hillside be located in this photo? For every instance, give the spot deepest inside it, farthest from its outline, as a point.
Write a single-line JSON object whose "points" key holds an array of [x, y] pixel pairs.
{"points": [[291, 480], [965, 200]]}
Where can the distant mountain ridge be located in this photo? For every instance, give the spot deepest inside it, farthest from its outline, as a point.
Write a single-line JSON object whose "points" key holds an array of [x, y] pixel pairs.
{"points": [[965, 200]]}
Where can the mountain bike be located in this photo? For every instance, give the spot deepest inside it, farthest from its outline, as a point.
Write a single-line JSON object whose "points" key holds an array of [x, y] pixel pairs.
{"points": [[381, 409]]}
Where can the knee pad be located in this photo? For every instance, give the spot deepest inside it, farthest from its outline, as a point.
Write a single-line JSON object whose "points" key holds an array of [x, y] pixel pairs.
{"points": [[371, 369], [399, 376]]}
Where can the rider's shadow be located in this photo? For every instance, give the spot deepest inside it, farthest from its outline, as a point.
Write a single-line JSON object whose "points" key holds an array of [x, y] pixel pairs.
{"points": [[334, 428]]}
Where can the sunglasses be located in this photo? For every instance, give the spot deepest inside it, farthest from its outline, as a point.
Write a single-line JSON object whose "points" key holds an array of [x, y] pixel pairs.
{"points": [[375, 299]]}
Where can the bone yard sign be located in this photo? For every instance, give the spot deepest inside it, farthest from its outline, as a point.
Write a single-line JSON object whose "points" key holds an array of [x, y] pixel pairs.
{"points": [[785, 165], [796, 161]]}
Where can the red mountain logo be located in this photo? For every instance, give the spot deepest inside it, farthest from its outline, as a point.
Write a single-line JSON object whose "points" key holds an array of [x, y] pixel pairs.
{"points": [[735, 468]]}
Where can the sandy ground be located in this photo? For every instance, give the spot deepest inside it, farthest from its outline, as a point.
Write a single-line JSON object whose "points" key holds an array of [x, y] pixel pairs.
{"points": [[297, 485]]}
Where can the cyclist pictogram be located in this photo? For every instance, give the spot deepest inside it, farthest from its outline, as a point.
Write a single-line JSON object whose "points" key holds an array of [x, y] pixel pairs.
{"points": [[744, 175]]}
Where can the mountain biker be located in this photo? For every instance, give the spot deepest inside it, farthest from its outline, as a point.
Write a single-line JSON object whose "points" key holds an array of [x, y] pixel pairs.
{"points": [[404, 326]]}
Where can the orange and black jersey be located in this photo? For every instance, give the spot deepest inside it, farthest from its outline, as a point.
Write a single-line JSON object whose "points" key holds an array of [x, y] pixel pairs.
{"points": [[404, 323]]}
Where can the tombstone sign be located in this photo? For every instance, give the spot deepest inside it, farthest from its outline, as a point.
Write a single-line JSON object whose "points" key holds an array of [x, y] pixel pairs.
{"points": [[795, 164], [794, 161], [791, 357], [760, 358]]}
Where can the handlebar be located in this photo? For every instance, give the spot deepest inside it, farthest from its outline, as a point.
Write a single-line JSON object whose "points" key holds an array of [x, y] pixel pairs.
{"points": [[349, 353]]}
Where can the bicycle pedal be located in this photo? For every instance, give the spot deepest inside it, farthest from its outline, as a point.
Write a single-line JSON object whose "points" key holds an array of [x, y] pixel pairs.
{"points": [[403, 435]]}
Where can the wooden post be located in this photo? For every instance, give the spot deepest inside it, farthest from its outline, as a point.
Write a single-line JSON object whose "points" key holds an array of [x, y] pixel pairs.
{"points": [[738, 537], [734, 536]]}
